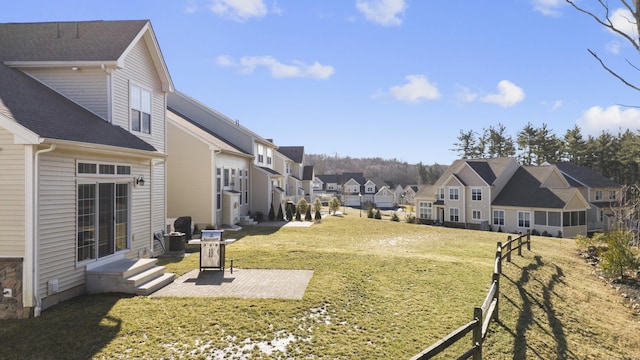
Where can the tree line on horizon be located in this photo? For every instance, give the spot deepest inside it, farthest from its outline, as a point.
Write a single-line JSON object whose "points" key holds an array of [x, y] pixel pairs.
{"points": [[393, 170], [614, 156]]}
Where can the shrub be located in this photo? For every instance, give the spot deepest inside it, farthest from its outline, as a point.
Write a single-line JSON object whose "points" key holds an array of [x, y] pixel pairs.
{"points": [[586, 242], [290, 212], [395, 217], [370, 213], [334, 205], [378, 214], [411, 219], [318, 216], [535, 232], [619, 257]]}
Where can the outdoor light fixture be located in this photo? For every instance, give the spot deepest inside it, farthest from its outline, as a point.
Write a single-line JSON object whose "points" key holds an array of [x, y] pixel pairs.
{"points": [[140, 181]]}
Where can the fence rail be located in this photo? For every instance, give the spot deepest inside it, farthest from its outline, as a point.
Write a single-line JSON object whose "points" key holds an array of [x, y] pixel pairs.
{"points": [[482, 315]]}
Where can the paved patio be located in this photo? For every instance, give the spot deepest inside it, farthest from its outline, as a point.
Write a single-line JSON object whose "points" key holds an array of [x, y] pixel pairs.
{"points": [[243, 283]]}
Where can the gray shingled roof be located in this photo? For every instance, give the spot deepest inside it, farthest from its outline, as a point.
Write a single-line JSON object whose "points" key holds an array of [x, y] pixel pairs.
{"points": [[328, 178], [523, 190], [67, 41], [357, 176], [307, 172], [51, 115], [295, 153], [585, 176]]}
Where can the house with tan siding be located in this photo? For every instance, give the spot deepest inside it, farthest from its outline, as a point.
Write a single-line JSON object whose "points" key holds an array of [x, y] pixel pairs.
{"points": [[500, 195], [82, 148], [262, 183]]}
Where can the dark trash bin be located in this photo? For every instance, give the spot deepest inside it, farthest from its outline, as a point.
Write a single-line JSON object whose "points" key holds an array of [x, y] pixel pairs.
{"points": [[183, 225]]}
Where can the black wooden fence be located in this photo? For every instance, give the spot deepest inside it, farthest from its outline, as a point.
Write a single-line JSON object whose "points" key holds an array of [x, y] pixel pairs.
{"points": [[482, 315]]}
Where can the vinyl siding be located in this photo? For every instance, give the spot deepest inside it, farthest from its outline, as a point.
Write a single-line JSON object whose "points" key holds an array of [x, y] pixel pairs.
{"points": [[190, 178], [139, 70], [88, 87], [12, 196], [57, 213]]}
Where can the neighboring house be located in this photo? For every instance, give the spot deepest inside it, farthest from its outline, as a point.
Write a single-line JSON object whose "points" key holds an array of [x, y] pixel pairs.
{"points": [[540, 198], [325, 187], [500, 195], [265, 183], [82, 152], [208, 178], [369, 190], [298, 177], [398, 191], [601, 192], [384, 198], [409, 194], [462, 196], [352, 188]]}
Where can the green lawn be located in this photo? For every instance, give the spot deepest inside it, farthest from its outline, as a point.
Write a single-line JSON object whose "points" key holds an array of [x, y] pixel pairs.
{"points": [[380, 290]]}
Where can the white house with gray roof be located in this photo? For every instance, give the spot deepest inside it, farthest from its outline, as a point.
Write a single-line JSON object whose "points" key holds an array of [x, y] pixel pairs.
{"points": [[82, 148]]}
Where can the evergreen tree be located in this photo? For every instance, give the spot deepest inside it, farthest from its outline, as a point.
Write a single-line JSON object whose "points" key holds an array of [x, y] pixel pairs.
{"points": [[280, 216], [307, 215]]}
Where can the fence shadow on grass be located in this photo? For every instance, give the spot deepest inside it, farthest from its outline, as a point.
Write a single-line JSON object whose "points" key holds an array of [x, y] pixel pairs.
{"points": [[526, 318], [77, 330]]}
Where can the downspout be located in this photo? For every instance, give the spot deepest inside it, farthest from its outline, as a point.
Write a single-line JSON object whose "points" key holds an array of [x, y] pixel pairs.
{"points": [[36, 224]]}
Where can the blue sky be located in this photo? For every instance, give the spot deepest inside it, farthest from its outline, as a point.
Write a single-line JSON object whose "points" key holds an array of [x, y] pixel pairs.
{"points": [[382, 78]]}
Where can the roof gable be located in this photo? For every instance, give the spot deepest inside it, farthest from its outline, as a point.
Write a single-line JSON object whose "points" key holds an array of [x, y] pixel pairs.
{"points": [[50, 115], [295, 153], [79, 43]]}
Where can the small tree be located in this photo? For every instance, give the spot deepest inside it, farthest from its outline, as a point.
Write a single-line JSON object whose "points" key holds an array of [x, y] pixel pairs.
{"points": [[334, 205], [280, 213], [370, 213], [307, 216], [272, 214], [619, 258], [317, 208], [302, 206], [298, 216], [289, 212], [378, 214]]}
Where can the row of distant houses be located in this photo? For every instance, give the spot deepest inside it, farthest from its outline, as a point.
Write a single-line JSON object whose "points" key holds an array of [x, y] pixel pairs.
{"points": [[556, 199], [98, 150], [354, 190]]}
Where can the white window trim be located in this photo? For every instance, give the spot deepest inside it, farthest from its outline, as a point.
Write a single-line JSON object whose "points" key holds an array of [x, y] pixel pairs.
{"points": [[504, 214], [450, 210], [457, 190], [524, 219], [142, 88], [479, 193], [479, 212]]}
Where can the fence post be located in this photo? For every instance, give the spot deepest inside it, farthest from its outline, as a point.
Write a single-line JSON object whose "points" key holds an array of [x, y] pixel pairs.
{"points": [[519, 245], [509, 248], [496, 279], [529, 241], [499, 258], [477, 334]]}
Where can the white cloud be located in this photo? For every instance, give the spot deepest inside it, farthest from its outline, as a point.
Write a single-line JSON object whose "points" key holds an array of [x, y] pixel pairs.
{"points": [[238, 10], [190, 7], [596, 119], [508, 94], [297, 69], [548, 7], [417, 87], [623, 20], [465, 95], [383, 12], [556, 105]]}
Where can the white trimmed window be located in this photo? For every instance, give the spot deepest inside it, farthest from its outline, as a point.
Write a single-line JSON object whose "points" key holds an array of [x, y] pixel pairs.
{"points": [[498, 217], [598, 195], [476, 214], [140, 110], [260, 154], [269, 156], [524, 219], [612, 194], [425, 210], [454, 193], [476, 194], [218, 188], [441, 193], [454, 214]]}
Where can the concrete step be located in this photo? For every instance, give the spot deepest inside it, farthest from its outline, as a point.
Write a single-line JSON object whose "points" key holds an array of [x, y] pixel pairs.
{"points": [[155, 284], [145, 276]]}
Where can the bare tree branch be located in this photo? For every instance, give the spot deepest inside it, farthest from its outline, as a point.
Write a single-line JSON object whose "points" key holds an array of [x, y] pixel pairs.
{"points": [[612, 72], [608, 23]]}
